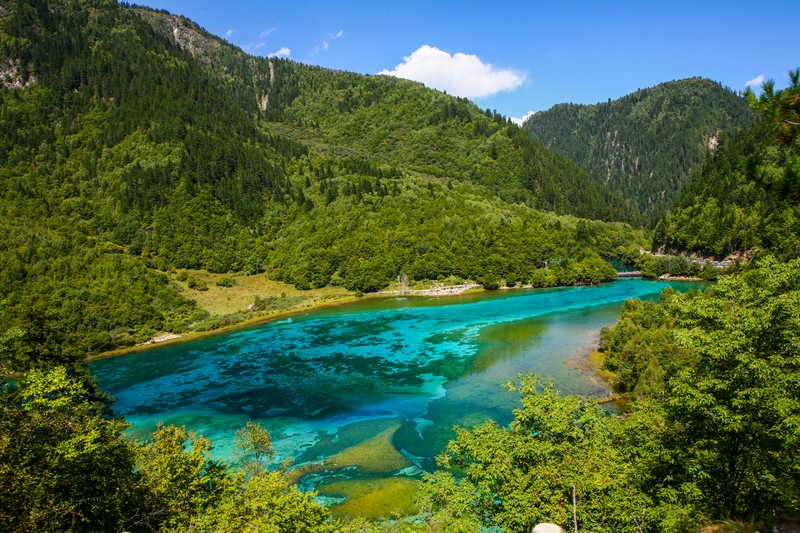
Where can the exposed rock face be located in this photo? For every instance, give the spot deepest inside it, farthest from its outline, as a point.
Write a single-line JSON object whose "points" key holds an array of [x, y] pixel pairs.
{"points": [[10, 75]]}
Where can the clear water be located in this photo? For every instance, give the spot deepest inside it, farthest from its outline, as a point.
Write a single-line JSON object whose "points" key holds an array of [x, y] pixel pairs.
{"points": [[328, 379]]}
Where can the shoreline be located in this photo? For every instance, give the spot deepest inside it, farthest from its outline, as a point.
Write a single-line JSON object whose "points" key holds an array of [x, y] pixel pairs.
{"points": [[176, 338], [667, 277], [169, 338], [440, 290]]}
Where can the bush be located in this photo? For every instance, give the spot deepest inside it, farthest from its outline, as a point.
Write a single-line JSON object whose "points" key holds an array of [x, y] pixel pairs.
{"points": [[196, 284], [226, 281]]}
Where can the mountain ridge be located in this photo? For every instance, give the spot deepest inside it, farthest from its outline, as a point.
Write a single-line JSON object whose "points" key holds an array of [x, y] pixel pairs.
{"points": [[124, 156], [644, 144]]}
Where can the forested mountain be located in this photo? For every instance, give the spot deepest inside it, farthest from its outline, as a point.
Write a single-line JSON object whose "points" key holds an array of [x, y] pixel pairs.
{"points": [[399, 123], [132, 142], [645, 144], [745, 197]]}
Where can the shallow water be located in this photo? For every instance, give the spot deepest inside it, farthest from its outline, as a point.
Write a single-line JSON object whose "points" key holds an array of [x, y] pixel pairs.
{"points": [[327, 380]]}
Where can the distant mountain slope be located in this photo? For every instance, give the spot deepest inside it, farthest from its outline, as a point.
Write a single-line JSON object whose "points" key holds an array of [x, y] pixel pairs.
{"points": [[644, 145], [401, 123], [133, 143], [747, 196]]}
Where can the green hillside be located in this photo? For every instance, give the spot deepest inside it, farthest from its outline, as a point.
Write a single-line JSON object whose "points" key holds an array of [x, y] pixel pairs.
{"points": [[747, 196], [133, 143], [644, 145]]}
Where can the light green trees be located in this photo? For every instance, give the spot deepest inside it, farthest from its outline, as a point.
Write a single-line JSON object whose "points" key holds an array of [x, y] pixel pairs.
{"points": [[254, 498], [65, 466], [518, 476], [714, 432], [715, 379], [724, 436], [63, 463]]}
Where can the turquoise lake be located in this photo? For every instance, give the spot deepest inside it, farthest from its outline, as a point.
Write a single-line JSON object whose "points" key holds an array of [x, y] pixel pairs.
{"points": [[325, 380]]}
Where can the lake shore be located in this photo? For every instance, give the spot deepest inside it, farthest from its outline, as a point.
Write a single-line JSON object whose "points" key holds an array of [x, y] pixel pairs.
{"points": [[170, 338]]}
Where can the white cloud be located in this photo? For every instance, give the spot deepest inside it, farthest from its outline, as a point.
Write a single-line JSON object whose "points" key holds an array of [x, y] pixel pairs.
{"points": [[265, 33], [326, 45], [458, 74], [257, 46], [282, 52], [755, 82], [228, 33], [519, 121]]}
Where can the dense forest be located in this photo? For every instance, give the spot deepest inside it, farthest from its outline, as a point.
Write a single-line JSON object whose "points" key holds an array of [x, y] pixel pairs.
{"points": [[133, 143], [646, 144], [713, 381], [746, 197]]}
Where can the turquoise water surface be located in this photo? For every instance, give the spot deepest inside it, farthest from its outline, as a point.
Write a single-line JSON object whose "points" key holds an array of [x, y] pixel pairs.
{"points": [[323, 380]]}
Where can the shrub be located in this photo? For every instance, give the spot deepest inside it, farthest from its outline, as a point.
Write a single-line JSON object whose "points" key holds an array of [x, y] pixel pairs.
{"points": [[226, 281]]}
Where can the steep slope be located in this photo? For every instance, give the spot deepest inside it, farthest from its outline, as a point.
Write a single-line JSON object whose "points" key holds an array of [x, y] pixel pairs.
{"points": [[133, 143], [747, 196], [397, 122], [645, 144]]}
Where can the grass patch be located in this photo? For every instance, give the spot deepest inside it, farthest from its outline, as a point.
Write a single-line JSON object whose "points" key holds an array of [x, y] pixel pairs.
{"points": [[373, 498], [596, 360], [221, 300]]}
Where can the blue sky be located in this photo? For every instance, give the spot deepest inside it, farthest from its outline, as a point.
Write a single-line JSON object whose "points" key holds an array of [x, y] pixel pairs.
{"points": [[519, 56]]}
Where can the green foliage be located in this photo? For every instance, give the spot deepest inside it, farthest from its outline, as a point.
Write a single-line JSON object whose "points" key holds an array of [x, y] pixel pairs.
{"points": [[63, 461], [460, 232], [125, 154], [265, 503], [674, 265], [641, 349], [518, 476], [715, 383], [717, 436], [226, 281], [66, 467], [255, 448], [179, 478], [646, 144], [781, 109], [746, 196]]}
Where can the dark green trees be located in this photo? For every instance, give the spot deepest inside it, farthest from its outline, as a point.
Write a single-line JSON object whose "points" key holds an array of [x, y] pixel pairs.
{"points": [[745, 197], [646, 144]]}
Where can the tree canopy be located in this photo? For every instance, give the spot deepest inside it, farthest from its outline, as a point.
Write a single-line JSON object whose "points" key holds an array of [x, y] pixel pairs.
{"points": [[646, 144]]}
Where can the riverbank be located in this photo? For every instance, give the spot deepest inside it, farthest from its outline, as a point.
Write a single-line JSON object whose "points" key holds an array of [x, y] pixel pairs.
{"points": [[669, 277], [435, 290], [235, 301], [262, 318], [314, 302]]}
